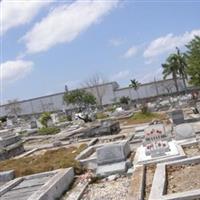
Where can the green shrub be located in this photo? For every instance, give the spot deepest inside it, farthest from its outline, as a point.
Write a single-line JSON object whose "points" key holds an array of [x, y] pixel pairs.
{"points": [[65, 118], [124, 100], [48, 130], [44, 118]]}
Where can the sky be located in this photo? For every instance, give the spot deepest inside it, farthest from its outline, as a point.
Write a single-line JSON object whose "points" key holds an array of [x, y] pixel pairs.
{"points": [[48, 44]]}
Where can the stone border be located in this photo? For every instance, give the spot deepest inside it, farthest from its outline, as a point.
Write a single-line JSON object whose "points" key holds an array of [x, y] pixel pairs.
{"points": [[51, 190], [77, 195], [159, 185], [55, 187], [8, 186], [136, 189], [91, 162], [7, 175]]}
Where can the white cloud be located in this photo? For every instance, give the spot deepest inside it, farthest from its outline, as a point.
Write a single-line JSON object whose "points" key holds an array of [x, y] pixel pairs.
{"points": [[65, 23], [15, 70], [131, 52], [148, 77], [167, 43], [116, 42], [15, 13], [120, 75]]}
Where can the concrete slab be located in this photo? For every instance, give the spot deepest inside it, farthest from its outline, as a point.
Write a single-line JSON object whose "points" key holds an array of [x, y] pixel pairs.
{"points": [[109, 169], [136, 190], [176, 152], [43, 186]]}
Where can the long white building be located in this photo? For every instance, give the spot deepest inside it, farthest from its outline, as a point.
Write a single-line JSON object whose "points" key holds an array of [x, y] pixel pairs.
{"points": [[110, 93]]}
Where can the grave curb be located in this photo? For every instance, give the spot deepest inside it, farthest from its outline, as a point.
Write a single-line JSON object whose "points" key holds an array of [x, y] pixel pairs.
{"points": [[55, 186], [139, 195], [159, 182]]}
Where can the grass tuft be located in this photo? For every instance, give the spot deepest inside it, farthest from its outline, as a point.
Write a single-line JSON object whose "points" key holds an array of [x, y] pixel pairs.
{"points": [[50, 160]]}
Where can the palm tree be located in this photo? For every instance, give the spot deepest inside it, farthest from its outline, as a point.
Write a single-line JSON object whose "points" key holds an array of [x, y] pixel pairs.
{"points": [[171, 67], [182, 66], [135, 85]]}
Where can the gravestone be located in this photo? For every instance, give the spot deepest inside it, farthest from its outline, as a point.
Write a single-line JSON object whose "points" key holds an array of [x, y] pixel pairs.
{"points": [[184, 131], [55, 118], [177, 117], [112, 153], [50, 123], [9, 123], [154, 140], [39, 125], [111, 159], [33, 124]]}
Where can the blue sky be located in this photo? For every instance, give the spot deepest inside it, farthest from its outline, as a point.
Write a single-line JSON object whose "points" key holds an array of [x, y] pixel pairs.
{"points": [[47, 44]]}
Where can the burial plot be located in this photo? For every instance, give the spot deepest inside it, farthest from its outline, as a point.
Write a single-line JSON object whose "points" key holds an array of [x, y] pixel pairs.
{"points": [[111, 158], [156, 147], [10, 144], [177, 180], [42, 186]]}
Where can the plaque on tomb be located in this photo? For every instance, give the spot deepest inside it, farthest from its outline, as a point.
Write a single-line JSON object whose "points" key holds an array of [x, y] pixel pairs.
{"points": [[184, 131], [112, 153]]}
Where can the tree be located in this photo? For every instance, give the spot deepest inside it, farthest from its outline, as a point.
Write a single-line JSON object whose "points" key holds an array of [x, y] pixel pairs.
{"points": [[124, 100], [81, 98], [135, 85], [13, 108], [44, 118], [193, 60], [171, 67], [182, 68], [96, 84]]}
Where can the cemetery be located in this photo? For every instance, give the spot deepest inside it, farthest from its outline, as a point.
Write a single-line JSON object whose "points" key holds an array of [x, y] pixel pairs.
{"points": [[100, 100], [123, 152], [105, 155]]}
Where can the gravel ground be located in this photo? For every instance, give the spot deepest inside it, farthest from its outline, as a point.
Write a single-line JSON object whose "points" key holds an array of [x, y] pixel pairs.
{"points": [[183, 178], [193, 150], [108, 190], [150, 170]]}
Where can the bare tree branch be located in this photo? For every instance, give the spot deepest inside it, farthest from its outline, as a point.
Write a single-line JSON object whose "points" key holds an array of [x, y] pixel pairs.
{"points": [[97, 87]]}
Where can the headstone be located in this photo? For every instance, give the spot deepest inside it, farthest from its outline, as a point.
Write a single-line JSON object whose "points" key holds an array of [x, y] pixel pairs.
{"points": [[111, 159], [154, 142], [33, 124], [184, 131], [50, 123], [39, 125], [55, 118], [112, 153], [9, 123], [177, 117]]}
